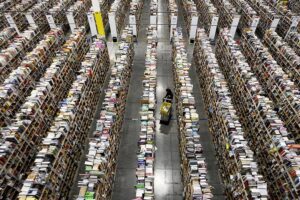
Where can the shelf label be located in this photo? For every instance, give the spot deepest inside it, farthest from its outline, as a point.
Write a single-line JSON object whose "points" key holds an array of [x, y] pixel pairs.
{"points": [[193, 28], [132, 24], [71, 21], [274, 24], [234, 24], [173, 24], [213, 27], [112, 24], [51, 21], [30, 19], [254, 23], [92, 23]]}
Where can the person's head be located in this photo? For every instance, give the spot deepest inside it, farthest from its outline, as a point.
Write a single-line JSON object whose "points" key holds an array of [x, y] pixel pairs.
{"points": [[168, 90]]}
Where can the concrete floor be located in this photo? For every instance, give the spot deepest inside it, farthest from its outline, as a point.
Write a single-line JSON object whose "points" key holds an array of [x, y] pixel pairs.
{"points": [[168, 185]]}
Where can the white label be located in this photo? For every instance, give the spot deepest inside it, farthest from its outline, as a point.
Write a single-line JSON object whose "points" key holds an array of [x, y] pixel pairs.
{"points": [[213, 27], [30, 20], [71, 21], [234, 24], [173, 24], [193, 28], [274, 24], [96, 5], [51, 21], [92, 23], [112, 24], [254, 23], [132, 24]]}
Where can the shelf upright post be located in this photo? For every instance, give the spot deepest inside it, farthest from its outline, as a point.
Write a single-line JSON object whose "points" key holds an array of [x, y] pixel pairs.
{"points": [[71, 20], [173, 24], [51, 21], [254, 23], [30, 19], [193, 29], [12, 22], [234, 24], [275, 22], [213, 27]]}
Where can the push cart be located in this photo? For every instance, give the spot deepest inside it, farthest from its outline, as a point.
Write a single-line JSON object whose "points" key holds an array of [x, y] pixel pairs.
{"points": [[165, 111]]}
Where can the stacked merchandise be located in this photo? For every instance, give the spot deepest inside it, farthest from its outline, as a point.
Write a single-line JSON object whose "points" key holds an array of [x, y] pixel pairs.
{"points": [[11, 57], [19, 141], [190, 14], [284, 55], [6, 35], [118, 12], [293, 39], [4, 6], [146, 143], [22, 80], [294, 5], [58, 13], [288, 22], [267, 137], [276, 83], [269, 16], [249, 17], [100, 164], [18, 12], [36, 15], [239, 168], [173, 14], [135, 11], [229, 16], [193, 165], [208, 14], [78, 10], [55, 165]]}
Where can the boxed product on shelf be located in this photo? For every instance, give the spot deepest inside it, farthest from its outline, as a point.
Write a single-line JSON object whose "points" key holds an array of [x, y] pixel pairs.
{"points": [[229, 15], [209, 17], [284, 55], [146, 143], [238, 165], [117, 16], [22, 80], [135, 11], [100, 164], [293, 39], [267, 136], [62, 147], [294, 5], [190, 16], [6, 35], [19, 141], [276, 83], [11, 57], [193, 165]]}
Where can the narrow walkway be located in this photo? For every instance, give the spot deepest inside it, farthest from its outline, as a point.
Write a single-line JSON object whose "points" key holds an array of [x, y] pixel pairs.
{"points": [[206, 139], [168, 184], [127, 160]]}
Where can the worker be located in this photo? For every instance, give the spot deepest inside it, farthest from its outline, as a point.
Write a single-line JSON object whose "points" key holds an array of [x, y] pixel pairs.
{"points": [[169, 96]]}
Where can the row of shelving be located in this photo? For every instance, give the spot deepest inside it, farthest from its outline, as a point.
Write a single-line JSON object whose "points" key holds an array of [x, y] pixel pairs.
{"points": [[284, 55], [238, 166], [21, 81], [75, 13], [55, 164], [294, 5], [146, 143], [190, 16], [193, 165], [20, 140], [117, 16], [276, 83], [135, 11], [100, 164], [266, 133], [11, 57]]}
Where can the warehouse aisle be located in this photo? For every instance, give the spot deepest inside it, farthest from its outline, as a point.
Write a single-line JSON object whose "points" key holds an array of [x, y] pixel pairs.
{"points": [[168, 184], [206, 139], [127, 161]]}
